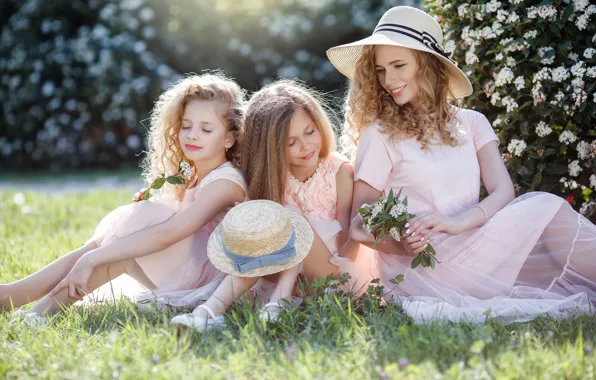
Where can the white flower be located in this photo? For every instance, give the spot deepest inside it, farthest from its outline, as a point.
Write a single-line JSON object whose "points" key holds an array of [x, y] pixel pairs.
{"points": [[26, 210], [515, 2], [492, 6], [185, 168], [516, 147], [497, 122], [574, 168], [567, 137], [589, 52], [502, 15], [531, 34], [503, 77], [578, 69], [19, 199], [591, 72], [462, 10], [573, 56], [583, 150], [542, 75], [520, 83], [511, 61], [378, 206], [579, 96], [513, 18], [587, 208], [542, 52], [580, 5], [499, 57], [471, 58], [395, 234], [495, 98], [397, 210], [510, 103], [593, 181], [560, 74], [582, 21], [367, 227], [542, 129]]}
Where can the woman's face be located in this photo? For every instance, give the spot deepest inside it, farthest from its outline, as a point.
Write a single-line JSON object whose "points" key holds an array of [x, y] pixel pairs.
{"points": [[396, 69]]}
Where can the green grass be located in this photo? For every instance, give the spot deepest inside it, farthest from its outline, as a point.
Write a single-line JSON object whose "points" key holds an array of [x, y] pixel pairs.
{"points": [[327, 337]]}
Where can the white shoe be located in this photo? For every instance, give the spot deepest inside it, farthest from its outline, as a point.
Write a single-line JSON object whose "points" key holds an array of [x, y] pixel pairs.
{"points": [[270, 315], [27, 318], [199, 323]]}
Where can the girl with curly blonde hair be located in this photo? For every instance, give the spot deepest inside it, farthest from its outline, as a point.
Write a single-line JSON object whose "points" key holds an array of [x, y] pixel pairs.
{"points": [[160, 242], [502, 257]]}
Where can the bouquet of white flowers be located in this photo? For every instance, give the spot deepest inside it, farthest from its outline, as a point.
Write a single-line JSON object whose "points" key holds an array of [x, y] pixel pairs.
{"points": [[388, 216]]}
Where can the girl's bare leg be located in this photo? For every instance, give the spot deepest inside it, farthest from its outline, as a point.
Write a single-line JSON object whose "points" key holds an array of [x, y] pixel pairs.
{"points": [[101, 275], [40, 283], [227, 292]]}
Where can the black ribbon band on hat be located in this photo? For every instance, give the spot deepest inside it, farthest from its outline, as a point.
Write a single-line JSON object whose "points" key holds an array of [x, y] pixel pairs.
{"points": [[422, 37]]}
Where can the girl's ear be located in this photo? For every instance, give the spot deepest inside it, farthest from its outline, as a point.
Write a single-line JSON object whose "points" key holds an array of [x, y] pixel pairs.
{"points": [[230, 140]]}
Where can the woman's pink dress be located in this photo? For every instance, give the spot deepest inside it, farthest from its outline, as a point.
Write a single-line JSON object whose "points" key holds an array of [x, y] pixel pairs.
{"points": [[182, 273], [317, 199], [536, 255]]}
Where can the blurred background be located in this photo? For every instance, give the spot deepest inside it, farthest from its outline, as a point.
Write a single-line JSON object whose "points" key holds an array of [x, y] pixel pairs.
{"points": [[78, 78]]}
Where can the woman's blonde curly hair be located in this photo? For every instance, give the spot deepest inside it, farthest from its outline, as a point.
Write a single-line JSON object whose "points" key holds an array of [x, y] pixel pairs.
{"points": [[164, 153], [368, 102]]}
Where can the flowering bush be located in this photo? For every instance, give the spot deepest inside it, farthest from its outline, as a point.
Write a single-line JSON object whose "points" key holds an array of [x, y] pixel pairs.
{"points": [[533, 67]]}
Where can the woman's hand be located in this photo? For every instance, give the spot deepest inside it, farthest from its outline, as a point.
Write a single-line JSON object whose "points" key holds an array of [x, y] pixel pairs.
{"points": [[423, 228], [77, 279]]}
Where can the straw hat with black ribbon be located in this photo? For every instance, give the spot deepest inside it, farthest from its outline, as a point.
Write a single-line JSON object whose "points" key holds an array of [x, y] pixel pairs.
{"points": [[409, 28]]}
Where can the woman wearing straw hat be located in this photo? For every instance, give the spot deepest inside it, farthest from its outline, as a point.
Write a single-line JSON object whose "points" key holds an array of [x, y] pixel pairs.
{"points": [[255, 239], [504, 257]]}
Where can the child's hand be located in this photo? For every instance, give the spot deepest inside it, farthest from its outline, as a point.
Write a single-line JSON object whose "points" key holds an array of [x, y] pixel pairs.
{"points": [[357, 231], [76, 281]]}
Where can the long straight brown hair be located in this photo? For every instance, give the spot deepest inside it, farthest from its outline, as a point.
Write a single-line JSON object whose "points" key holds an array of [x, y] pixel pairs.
{"points": [[263, 157]]}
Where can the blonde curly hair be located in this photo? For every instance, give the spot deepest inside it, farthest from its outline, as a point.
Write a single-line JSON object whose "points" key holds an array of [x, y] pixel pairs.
{"points": [[164, 153], [266, 125], [367, 102]]}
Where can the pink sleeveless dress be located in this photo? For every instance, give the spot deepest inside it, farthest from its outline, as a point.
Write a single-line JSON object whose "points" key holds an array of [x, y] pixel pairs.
{"points": [[182, 273], [317, 198], [535, 256]]}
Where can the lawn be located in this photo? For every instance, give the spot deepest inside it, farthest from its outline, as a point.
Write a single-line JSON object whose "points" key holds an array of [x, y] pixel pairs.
{"points": [[326, 337]]}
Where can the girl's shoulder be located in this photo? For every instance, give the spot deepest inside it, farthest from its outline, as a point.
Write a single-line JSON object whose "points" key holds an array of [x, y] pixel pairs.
{"points": [[225, 171]]}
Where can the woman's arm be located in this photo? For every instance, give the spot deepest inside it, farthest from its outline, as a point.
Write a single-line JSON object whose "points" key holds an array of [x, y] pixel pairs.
{"points": [[498, 183], [214, 198], [347, 246]]}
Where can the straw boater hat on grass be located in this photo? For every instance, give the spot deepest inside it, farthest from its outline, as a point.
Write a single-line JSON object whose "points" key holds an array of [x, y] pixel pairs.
{"points": [[259, 237], [405, 27]]}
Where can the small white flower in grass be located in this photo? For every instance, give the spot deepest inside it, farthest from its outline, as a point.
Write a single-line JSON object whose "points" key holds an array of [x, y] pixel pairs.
{"points": [[567, 137], [516, 147], [18, 199], [513, 18], [395, 234], [560, 74], [397, 210], [589, 53], [499, 57], [542, 75], [574, 168], [520, 83], [502, 15], [583, 150], [186, 171], [492, 6], [593, 181], [531, 34], [26, 210], [542, 129]]}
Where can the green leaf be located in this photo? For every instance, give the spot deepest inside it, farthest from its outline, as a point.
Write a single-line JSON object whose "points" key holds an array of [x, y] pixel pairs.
{"points": [[536, 181], [433, 262], [405, 201], [523, 127], [176, 180], [397, 280], [416, 261], [158, 183], [390, 197], [567, 12], [556, 169], [431, 250]]}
